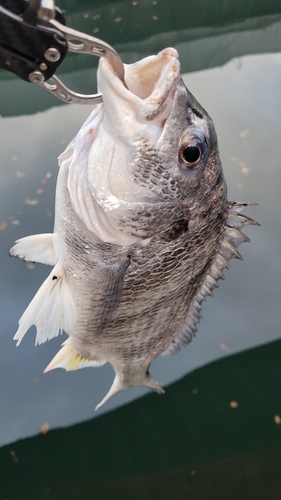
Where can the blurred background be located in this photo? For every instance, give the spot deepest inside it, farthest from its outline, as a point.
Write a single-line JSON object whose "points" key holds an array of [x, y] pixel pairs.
{"points": [[216, 433]]}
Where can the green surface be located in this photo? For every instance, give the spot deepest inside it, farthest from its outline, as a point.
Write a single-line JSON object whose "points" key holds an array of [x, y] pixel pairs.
{"points": [[189, 443]]}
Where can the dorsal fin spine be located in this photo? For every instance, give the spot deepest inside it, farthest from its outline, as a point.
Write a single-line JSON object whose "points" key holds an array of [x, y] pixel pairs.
{"points": [[232, 237]]}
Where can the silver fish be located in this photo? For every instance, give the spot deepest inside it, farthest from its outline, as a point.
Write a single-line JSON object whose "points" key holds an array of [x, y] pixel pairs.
{"points": [[143, 229]]}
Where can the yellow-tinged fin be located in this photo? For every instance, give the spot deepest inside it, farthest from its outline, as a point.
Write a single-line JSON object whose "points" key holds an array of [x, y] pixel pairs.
{"points": [[36, 248], [69, 359], [51, 310]]}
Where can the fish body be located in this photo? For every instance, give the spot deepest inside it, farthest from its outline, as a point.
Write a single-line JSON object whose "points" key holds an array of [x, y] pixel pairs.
{"points": [[143, 228]]}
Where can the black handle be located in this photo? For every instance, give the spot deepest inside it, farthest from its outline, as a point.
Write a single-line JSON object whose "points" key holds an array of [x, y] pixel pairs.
{"points": [[31, 48]]}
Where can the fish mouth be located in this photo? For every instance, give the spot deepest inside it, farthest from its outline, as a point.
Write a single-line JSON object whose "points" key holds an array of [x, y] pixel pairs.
{"points": [[131, 113], [146, 77], [148, 91]]}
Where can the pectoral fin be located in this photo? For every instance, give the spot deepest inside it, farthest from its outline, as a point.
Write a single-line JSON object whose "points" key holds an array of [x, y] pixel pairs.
{"points": [[36, 248], [109, 281]]}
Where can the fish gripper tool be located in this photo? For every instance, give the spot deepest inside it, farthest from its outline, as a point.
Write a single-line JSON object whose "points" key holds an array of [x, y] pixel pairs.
{"points": [[34, 42]]}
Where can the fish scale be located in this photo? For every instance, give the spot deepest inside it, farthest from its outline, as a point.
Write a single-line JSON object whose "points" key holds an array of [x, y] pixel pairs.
{"points": [[143, 228], [146, 307]]}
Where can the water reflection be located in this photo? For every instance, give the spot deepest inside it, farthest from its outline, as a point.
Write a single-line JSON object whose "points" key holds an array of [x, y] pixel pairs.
{"points": [[243, 98]]}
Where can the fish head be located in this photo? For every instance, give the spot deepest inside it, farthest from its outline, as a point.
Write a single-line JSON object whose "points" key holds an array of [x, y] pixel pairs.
{"points": [[155, 145]]}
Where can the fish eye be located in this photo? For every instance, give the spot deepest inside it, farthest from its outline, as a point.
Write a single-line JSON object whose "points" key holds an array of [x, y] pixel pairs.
{"points": [[193, 151], [191, 154]]}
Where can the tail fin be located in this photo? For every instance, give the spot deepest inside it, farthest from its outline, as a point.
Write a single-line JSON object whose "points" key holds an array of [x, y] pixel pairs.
{"points": [[152, 384], [116, 387]]}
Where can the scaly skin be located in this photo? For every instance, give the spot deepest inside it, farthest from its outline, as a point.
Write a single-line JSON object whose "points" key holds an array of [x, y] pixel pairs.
{"points": [[143, 229], [156, 281]]}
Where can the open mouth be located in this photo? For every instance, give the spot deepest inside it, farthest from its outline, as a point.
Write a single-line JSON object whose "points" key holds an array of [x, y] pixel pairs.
{"points": [[148, 83], [133, 114], [148, 76]]}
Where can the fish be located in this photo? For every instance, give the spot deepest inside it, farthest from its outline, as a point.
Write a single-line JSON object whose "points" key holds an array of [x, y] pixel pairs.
{"points": [[143, 228]]}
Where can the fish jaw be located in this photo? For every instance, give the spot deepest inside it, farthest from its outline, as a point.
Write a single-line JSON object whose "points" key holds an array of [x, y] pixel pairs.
{"points": [[146, 100], [130, 114]]}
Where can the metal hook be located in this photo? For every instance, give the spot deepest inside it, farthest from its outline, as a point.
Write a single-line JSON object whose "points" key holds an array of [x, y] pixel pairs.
{"points": [[83, 44], [57, 88]]}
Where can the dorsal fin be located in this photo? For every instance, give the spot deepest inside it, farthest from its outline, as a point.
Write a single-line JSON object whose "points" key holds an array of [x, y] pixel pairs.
{"points": [[232, 238]]}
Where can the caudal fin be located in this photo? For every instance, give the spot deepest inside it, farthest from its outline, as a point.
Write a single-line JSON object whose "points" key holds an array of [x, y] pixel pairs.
{"points": [[118, 386], [153, 384]]}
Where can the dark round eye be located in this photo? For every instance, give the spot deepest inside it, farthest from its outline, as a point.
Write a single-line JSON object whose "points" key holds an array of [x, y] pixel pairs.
{"points": [[190, 154], [193, 151]]}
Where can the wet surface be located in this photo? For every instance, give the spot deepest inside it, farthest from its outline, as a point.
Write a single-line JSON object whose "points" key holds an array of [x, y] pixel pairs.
{"points": [[243, 97], [210, 437]]}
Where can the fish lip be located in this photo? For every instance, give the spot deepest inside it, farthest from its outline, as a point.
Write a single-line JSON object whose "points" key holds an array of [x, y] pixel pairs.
{"points": [[148, 82]]}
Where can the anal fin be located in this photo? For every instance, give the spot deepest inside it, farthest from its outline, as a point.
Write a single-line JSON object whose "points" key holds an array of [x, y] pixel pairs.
{"points": [[36, 248], [69, 359]]}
